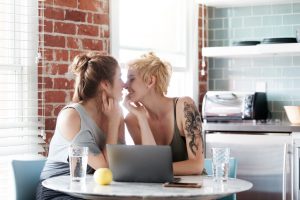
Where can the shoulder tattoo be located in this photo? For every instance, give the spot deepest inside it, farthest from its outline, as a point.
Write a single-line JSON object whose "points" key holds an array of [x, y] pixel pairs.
{"points": [[192, 126]]}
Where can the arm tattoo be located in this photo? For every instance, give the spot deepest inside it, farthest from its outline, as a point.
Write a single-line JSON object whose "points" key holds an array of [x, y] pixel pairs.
{"points": [[192, 125]]}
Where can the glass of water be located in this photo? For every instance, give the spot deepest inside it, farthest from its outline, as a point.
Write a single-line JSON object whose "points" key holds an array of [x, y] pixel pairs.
{"points": [[220, 164], [78, 157]]}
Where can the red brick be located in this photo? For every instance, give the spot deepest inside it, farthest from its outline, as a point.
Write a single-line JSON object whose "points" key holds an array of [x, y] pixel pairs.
{"points": [[58, 69], [105, 33], [48, 54], [49, 2], [61, 83], [105, 45], [55, 96], [73, 43], [74, 53], [89, 18], [40, 69], [57, 109], [92, 44], [48, 26], [92, 5], [101, 19], [104, 6], [54, 13], [66, 3], [88, 30], [40, 86], [74, 15], [48, 82], [54, 41], [48, 110], [72, 84], [49, 135], [61, 55], [50, 123], [67, 28]]}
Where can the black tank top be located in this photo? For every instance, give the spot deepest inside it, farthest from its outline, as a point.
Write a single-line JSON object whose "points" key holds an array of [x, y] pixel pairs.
{"points": [[178, 144]]}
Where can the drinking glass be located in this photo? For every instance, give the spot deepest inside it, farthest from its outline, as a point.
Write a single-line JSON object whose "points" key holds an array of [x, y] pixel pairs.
{"points": [[78, 157], [220, 164]]}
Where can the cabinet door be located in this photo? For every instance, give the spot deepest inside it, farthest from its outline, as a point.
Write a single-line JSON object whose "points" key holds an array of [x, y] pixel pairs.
{"points": [[262, 159]]}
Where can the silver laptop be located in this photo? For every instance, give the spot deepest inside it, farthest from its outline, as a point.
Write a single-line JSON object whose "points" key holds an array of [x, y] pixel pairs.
{"points": [[140, 163]]}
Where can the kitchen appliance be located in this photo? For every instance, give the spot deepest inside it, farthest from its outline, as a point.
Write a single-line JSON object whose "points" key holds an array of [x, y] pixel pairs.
{"points": [[264, 159], [228, 105]]}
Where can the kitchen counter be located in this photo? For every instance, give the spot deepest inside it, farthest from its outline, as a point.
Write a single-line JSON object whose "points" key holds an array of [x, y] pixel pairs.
{"points": [[251, 126]]}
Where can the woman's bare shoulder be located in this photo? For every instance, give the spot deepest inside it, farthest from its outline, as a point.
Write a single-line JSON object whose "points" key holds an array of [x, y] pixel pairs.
{"points": [[185, 100], [68, 123], [130, 119]]}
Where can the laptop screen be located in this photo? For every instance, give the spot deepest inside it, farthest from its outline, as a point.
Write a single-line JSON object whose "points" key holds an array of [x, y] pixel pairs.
{"points": [[140, 163]]}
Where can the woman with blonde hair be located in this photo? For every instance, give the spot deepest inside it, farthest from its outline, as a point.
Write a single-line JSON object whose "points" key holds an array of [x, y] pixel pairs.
{"points": [[155, 119], [93, 119]]}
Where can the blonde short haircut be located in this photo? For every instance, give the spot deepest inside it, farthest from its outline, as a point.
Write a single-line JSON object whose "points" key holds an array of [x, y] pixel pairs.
{"points": [[151, 65]]}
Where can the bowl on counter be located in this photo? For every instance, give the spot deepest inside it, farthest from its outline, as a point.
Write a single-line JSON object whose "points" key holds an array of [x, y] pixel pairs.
{"points": [[293, 114]]}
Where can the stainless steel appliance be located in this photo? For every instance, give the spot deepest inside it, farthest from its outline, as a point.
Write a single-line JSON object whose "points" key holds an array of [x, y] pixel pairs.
{"points": [[263, 159], [228, 105]]}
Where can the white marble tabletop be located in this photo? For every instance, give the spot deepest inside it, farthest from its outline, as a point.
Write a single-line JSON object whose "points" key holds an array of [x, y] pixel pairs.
{"points": [[124, 190]]}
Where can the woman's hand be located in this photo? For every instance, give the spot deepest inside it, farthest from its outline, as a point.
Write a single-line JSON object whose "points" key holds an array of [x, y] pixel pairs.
{"points": [[111, 108], [135, 108]]}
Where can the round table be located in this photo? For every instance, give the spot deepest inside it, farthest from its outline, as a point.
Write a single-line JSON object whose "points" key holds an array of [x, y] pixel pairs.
{"points": [[89, 189]]}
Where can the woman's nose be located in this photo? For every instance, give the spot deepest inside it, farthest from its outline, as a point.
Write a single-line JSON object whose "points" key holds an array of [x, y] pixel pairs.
{"points": [[125, 85]]}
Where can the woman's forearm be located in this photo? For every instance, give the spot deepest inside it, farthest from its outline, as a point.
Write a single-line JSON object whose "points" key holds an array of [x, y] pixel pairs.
{"points": [[146, 133], [187, 167]]}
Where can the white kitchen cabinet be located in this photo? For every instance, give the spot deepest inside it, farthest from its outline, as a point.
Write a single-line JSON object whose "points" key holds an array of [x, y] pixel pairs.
{"points": [[255, 50]]}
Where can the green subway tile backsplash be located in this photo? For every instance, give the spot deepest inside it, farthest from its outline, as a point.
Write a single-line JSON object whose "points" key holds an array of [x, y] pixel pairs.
{"points": [[296, 8], [282, 8], [236, 22], [252, 21], [272, 20], [262, 10], [222, 13], [221, 34], [241, 11], [281, 73], [215, 23], [291, 19]]}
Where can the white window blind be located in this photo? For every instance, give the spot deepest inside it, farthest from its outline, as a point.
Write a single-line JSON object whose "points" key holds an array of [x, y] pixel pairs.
{"points": [[167, 27], [20, 123]]}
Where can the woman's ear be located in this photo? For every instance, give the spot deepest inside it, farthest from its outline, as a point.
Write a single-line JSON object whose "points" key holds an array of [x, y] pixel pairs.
{"points": [[104, 85], [151, 81]]}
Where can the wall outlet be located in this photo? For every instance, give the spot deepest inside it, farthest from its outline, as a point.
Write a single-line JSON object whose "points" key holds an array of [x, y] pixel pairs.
{"points": [[261, 86]]}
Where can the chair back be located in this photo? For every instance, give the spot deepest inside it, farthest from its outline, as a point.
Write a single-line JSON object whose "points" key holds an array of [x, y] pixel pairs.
{"points": [[231, 174], [27, 176]]}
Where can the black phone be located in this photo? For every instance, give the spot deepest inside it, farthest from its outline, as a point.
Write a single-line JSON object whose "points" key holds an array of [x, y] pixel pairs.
{"points": [[182, 184]]}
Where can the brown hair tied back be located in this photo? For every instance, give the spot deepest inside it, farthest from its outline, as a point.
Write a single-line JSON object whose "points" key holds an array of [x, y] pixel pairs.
{"points": [[90, 69]]}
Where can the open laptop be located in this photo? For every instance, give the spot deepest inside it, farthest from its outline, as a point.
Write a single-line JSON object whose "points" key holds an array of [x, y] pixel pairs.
{"points": [[140, 163]]}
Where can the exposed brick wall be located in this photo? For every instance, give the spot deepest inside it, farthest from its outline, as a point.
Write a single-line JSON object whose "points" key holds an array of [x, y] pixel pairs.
{"points": [[70, 27], [203, 81]]}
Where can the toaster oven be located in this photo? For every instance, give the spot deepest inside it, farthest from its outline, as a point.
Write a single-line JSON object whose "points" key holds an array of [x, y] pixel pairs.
{"points": [[228, 105]]}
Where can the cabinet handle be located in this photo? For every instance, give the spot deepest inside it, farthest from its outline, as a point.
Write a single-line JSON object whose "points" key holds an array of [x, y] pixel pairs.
{"points": [[285, 152]]}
